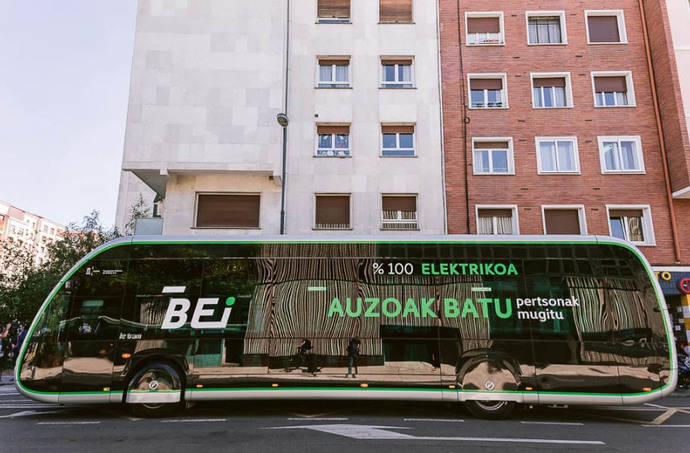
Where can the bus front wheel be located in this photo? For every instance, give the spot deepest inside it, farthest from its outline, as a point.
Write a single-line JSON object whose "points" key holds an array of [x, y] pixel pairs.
{"points": [[490, 409], [154, 391]]}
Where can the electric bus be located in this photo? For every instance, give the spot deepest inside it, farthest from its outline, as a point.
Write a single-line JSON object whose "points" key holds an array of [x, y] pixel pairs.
{"points": [[156, 322]]}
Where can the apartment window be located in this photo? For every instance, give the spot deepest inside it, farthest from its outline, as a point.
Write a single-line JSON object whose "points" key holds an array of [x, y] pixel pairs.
{"points": [[332, 212], [333, 11], [484, 29], [546, 28], [395, 11], [397, 141], [399, 212], [227, 211], [605, 27], [45, 228], [487, 92], [631, 223], [557, 155], [493, 157], [396, 73], [621, 155], [613, 89], [563, 220], [551, 92], [497, 220], [333, 141], [334, 73]]}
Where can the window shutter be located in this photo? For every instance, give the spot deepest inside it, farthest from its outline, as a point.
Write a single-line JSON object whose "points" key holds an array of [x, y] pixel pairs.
{"points": [[333, 130], [483, 25], [603, 29], [610, 84], [391, 61], [625, 213], [234, 211], [549, 82], [490, 145], [562, 221], [397, 129], [334, 9], [394, 203], [333, 210], [501, 213], [486, 84], [395, 10]]}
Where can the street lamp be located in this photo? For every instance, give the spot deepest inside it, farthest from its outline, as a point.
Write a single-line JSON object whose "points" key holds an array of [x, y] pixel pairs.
{"points": [[283, 121]]}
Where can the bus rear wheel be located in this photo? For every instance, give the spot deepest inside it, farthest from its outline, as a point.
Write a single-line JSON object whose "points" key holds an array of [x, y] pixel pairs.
{"points": [[154, 391], [494, 410]]}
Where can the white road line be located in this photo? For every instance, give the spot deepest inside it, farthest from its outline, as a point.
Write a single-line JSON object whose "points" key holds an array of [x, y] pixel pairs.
{"points": [[444, 420], [196, 420], [25, 401], [517, 440], [553, 423], [666, 426], [8, 393], [68, 423], [319, 419], [30, 406]]}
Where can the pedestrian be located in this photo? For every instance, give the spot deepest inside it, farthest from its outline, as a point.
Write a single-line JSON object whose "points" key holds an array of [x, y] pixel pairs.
{"points": [[303, 353], [352, 356], [21, 336]]}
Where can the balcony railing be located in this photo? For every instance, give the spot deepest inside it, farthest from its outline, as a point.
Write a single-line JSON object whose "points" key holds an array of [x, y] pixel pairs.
{"points": [[332, 226], [484, 38], [399, 220]]}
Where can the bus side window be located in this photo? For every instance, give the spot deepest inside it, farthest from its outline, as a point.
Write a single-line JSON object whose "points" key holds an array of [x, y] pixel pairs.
{"points": [[93, 318]]}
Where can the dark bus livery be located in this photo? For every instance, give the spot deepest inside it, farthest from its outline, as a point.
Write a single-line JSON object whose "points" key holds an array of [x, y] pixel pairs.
{"points": [[153, 322]]}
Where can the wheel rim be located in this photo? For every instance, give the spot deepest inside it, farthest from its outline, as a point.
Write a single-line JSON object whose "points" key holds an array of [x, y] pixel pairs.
{"points": [[153, 379], [491, 405]]}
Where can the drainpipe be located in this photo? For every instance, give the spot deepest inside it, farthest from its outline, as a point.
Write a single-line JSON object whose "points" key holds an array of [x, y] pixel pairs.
{"points": [[465, 120], [444, 200], [660, 130]]}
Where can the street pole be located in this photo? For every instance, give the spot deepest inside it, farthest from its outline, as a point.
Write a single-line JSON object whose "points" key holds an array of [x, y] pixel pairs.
{"points": [[282, 183]]}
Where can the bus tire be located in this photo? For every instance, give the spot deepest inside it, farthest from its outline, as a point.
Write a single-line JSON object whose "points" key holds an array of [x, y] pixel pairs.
{"points": [[163, 377], [493, 410]]}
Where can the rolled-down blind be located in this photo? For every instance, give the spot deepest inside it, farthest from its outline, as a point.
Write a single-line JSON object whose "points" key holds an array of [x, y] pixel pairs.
{"points": [[486, 84], [397, 129], [333, 130], [603, 29], [610, 84], [549, 82], [400, 203], [395, 10], [235, 211], [501, 213], [334, 61], [334, 9], [490, 145], [333, 210], [483, 25], [562, 221], [391, 61], [625, 212]]}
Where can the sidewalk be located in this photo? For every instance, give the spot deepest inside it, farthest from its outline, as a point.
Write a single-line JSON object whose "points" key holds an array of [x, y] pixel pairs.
{"points": [[6, 377]]}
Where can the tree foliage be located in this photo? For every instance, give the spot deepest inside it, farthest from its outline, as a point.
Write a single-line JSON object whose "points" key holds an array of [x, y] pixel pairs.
{"points": [[139, 210]]}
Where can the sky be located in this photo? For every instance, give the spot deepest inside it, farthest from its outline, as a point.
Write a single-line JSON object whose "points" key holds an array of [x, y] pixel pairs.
{"points": [[64, 87]]}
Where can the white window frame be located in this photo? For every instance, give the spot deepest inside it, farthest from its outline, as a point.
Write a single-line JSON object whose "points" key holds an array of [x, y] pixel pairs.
{"points": [[647, 223], [619, 13], [582, 215], [330, 20], [349, 141], [480, 14], [397, 140], [514, 216], [627, 138], [560, 14], [576, 155], [333, 81], [386, 84], [632, 101], [488, 75], [548, 75], [332, 194], [511, 160]]}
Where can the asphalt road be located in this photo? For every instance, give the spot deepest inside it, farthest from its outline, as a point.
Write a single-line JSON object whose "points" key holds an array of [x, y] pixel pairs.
{"points": [[361, 426]]}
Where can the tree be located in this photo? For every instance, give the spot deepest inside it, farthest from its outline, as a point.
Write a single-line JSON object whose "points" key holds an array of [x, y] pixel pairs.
{"points": [[139, 210]]}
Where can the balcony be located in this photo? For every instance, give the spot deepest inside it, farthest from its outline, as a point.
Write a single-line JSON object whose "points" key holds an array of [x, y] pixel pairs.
{"points": [[399, 220]]}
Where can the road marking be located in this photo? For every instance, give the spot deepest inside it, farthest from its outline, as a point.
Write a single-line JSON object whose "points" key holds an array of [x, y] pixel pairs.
{"points": [[25, 413], [663, 417], [666, 426], [553, 423], [316, 288], [68, 423], [372, 432], [318, 419], [14, 401], [8, 393], [444, 420], [29, 406], [196, 420]]}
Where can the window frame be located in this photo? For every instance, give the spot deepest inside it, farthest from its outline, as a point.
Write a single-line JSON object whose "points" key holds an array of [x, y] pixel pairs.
{"points": [[628, 138], [632, 100], [514, 217], [417, 218], [397, 139], [349, 140], [647, 223], [581, 214], [332, 194], [196, 211], [561, 16], [510, 157], [331, 20], [576, 155], [378, 14], [333, 82], [482, 14], [620, 15], [569, 103], [489, 76], [386, 85]]}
